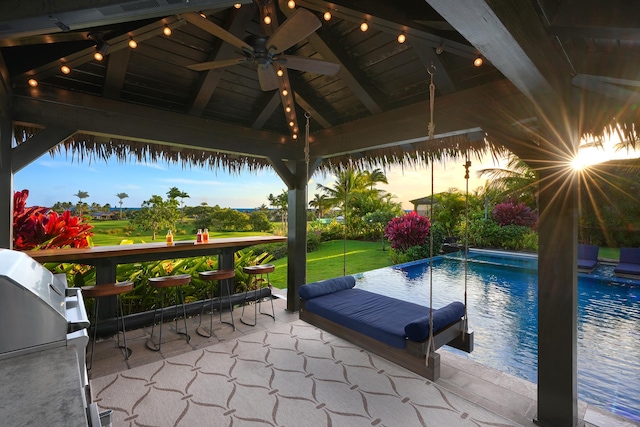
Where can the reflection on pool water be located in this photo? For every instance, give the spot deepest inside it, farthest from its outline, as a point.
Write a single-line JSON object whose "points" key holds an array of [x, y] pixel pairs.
{"points": [[502, 301]]}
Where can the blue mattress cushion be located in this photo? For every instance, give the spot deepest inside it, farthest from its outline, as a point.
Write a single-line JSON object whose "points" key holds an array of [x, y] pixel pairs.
{"points": [[376, 316], [323, 287], [624, 268], [587, 264]]}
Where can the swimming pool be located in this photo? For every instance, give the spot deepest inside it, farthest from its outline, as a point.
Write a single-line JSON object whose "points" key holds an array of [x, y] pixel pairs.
{"points": [[502, 298]]}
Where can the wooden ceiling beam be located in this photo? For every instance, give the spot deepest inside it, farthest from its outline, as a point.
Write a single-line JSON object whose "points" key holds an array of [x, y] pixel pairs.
{"points": [[457, 113], [312, 111], [511, 37], [99, 116], [267, 111], [116, 73]]}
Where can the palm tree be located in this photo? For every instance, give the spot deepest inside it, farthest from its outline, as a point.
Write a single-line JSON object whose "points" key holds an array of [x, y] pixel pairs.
{"points": [[81, 195], [175, 193], [374, 177], [121, 196], [347, 183], [517, 181], [320, 203]]}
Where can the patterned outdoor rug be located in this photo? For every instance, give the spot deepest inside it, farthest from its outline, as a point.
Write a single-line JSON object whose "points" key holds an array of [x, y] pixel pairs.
{"points": [[293, 375]]}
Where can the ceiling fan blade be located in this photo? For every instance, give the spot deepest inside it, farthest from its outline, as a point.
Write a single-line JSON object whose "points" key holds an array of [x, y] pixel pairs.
{"points": [[311, 65], [296, 28], [267, 77], [216, 30], [211, 65]]}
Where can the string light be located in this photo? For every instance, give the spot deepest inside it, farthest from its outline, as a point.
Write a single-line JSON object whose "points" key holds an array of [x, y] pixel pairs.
{"points": [[285, 92], [364, 27], [291, 4], [65, 69], [203, 15], [267, 19], [288, 109], [478, 61], [327, 16], [133, 44], [98, 56], [280, 73], [402, 38], [237, 5], [291, 123], [294, 136], [33, 82], [166, 30]]}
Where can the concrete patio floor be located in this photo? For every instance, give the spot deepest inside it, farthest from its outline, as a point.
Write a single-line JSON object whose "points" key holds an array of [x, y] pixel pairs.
{"points": [[506, 395]]}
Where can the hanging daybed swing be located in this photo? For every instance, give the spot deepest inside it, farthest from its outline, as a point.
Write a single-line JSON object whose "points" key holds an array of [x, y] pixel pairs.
{"points": [[396, 330]]}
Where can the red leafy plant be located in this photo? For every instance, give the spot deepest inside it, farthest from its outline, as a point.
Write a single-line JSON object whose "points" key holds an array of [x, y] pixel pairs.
{"points": [[37, 227], [407, 230], [512, 213]]}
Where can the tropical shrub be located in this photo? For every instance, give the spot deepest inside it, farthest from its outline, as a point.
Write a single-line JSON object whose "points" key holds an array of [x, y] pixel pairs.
{"points": [[38, 227], [407, 230], [511, 213]]}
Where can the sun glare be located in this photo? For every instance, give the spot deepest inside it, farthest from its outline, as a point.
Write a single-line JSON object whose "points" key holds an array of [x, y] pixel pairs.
{"points": [[590, 153]]}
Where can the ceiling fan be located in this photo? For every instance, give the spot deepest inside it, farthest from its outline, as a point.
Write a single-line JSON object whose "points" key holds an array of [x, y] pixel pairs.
{"points": [[265, 51]]}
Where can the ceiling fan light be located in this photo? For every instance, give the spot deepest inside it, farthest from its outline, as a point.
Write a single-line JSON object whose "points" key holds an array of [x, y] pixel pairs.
{"points": [[133, 44], [33, 82], [166, 30], [291, 4], [267, 19], [402, 38], [478, 61], [327, 16], [364, 27], [65, 70]]}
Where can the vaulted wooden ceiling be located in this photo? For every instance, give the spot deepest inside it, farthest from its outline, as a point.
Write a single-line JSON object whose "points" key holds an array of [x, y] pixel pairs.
{"points": [[580, 54]]}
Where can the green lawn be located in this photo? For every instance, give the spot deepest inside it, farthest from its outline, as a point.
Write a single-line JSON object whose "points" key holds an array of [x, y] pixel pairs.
{"points": [[107, 233], [328, 261]]}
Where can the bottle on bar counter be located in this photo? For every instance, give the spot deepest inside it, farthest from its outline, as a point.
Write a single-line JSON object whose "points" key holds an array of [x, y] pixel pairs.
{"points": [[169, 238], [205, 236], [199, 236]]}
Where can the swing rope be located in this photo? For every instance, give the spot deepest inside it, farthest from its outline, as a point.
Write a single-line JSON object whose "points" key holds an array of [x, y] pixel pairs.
{"points": [[467, 165], [432, 92]]}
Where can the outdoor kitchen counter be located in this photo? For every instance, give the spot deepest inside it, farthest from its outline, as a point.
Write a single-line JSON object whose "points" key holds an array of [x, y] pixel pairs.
{"points": [[42, 388]]}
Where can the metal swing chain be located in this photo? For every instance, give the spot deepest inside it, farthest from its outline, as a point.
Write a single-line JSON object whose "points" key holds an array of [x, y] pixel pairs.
{"points": [[432, 90]]}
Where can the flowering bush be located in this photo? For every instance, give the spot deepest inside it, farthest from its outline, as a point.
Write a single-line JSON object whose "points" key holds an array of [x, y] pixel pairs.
{"points": [[37, 227], [408, 230], [511, 213]]}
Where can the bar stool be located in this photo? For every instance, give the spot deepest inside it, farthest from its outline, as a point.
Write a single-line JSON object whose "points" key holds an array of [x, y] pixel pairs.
{"points": [[109, 290], [161, 283], [212, 276], [253, 271]]}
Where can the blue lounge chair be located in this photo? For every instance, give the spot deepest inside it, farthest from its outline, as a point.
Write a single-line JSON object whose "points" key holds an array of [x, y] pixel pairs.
{"points": [[629, 265], [587, 258]]}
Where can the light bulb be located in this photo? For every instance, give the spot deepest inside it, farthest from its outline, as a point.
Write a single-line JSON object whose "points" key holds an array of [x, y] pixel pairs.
{"points": [[237, 5], [280, 73], [65, 69], [133, 44], [267, 19], [478, 61], [291, 123], [291, 4], [294, 136], [402, 38], [364, 27], [327, 16], [288, 109], [203, 15], [98, 56], [33, 82], [166, 31], [285, 92]]}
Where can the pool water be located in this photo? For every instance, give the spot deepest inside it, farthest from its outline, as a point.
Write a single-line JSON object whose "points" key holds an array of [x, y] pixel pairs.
{"points": [[502, 301]]}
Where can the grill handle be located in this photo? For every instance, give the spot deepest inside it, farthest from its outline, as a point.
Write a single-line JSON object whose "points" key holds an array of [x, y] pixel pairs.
{"points": [[77, 318]]}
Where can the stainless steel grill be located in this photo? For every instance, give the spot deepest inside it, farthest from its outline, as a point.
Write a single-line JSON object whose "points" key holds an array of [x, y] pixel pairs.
{"points": [[38, 313]]}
